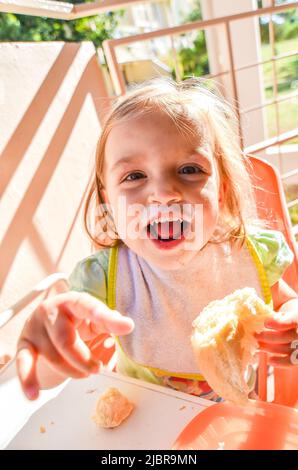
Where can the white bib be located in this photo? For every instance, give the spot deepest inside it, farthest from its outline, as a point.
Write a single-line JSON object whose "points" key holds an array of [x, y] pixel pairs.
{"points": [[163, 304]]}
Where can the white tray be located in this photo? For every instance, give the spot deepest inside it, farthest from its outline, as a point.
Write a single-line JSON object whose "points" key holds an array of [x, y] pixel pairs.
{"points": [[159, 416]]}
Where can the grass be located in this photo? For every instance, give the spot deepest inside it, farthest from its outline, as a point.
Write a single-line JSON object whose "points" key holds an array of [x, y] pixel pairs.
{"points": [[287, 112], [288, 45]]}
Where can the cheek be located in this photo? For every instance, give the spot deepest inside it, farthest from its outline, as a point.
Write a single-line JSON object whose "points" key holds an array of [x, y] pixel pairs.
{"points": [[209, 199], [127, 213], [208, 195]]}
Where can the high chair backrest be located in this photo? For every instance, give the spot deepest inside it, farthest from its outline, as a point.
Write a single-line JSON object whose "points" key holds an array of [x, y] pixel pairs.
{"points": [[271, 202], [272, 206]]}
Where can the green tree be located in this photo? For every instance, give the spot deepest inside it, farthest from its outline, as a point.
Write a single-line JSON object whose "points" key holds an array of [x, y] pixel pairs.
{"points": [[194, 59], [34, 28]]}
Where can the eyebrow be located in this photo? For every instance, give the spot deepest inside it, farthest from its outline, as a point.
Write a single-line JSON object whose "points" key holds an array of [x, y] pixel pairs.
{"points": [[124, 160], [199, 153]]}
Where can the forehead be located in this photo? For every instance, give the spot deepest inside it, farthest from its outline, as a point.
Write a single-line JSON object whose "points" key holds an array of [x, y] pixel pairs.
{"points": [[148, 131]]}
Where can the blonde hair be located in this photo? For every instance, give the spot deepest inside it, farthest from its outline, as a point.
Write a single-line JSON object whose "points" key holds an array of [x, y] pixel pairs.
{"points": [[194, 110]]}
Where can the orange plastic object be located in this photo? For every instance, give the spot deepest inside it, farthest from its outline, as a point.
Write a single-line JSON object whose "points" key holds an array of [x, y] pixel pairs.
{"points": [[258, 426], [286, 386], [272, 206], [104, 349], [271, 203]]}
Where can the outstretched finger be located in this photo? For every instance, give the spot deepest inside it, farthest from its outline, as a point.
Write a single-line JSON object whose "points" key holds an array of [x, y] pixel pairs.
{"points": [[84, 306]]}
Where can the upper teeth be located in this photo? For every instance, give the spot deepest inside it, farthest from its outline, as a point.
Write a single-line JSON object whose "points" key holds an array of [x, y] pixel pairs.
{"points": [[166, 219]]}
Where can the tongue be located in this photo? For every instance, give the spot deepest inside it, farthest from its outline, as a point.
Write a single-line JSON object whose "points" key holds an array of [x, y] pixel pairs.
{"points": [[169, 229]]}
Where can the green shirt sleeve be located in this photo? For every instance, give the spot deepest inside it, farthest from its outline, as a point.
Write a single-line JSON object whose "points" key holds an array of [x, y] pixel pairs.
{"points": [[273, 251], [90, 275]]}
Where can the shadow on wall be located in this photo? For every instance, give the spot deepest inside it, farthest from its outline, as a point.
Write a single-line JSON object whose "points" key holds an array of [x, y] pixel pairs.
{"points": [[52, 100]]}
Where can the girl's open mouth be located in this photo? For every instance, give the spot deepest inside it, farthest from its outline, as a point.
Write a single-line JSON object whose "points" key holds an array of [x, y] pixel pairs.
{"points": [[166, 235]]}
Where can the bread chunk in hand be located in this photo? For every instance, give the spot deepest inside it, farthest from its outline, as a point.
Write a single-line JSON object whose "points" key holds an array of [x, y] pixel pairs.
{"points": [[224, 343]]}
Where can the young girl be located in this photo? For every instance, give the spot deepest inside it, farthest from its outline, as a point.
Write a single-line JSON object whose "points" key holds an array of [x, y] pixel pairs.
{"points": [[177, 228]]}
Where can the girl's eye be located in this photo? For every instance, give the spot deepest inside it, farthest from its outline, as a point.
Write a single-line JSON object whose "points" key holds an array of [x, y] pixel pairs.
{"points": [[191, 170], [134, 176]]}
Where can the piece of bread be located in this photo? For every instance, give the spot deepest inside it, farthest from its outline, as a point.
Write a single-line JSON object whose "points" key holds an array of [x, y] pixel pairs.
{"points": [[111, 409], [224, 344]]}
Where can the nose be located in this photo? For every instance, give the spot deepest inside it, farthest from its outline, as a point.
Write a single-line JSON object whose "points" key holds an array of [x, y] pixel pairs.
{"points": [[164, 193]]}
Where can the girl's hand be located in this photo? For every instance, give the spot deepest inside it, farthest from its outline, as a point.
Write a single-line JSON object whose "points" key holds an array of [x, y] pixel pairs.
{"points": [[57, 330], [280, 339]]}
